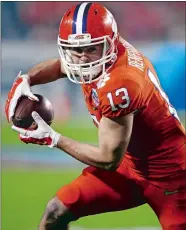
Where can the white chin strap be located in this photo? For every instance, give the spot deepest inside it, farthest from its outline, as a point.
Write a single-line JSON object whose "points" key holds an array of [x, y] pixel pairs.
{"points": [[88, 72]]}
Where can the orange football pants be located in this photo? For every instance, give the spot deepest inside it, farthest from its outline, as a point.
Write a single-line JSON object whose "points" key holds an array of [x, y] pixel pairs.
{"points": [[98, 191]]}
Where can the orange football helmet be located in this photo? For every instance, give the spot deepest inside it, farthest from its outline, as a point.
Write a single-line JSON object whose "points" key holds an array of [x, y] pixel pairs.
{"points": [[84, 25]]}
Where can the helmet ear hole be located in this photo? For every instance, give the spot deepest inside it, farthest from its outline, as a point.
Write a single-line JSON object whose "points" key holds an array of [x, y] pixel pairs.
{"points": [[95, 12]]}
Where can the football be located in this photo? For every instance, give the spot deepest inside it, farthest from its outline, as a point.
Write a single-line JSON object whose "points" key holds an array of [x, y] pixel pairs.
{"points": [[23, 112]]}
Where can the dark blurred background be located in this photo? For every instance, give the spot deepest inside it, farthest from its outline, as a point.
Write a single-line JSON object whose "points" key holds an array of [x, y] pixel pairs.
{"points": [[137, 20]]}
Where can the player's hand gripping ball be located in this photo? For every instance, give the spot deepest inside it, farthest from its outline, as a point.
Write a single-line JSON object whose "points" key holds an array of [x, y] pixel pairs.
{"points": [[23, 112], [32, 119], [42, 135]]}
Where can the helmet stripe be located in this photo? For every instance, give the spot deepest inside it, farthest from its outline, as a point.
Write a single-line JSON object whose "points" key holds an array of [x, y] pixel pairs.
{"points": [[85, 16], [79, 22], [75, 19]]}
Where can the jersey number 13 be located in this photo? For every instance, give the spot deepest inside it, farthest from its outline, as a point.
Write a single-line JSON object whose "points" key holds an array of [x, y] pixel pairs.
{"points": [[123, 93]]}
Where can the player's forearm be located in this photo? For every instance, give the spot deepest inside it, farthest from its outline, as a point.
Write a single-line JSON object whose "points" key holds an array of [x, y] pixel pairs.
{"points": [[86, 153], [46, 71]]}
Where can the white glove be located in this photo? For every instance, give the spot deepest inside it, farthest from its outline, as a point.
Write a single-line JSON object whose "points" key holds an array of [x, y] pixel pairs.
{"points": [[43, 135], [20, 87]]}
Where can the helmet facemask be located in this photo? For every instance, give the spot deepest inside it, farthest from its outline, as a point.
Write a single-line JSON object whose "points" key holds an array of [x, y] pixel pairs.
{"points": [[88, 72]]}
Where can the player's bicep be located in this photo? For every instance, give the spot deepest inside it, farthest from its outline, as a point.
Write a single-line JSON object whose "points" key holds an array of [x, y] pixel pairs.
{"points": [[114, 136]]}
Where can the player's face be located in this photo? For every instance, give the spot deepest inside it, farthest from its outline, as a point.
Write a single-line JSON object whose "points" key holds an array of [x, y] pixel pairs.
{"points": [[87, 54]]}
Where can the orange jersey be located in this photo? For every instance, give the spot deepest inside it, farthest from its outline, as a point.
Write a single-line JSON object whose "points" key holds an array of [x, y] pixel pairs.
{"points": [[132, 86]]}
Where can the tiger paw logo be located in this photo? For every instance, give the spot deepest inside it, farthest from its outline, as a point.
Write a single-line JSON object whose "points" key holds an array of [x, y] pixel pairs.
{"points": [[103, 81]]}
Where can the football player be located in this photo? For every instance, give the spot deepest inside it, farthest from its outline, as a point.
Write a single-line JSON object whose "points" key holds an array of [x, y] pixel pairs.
{"points": [[141, 154]]}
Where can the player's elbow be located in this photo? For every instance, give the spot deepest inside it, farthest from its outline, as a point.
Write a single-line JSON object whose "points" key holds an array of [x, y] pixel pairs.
{"points": [[112, 166], [112, 161], [112, 155]]}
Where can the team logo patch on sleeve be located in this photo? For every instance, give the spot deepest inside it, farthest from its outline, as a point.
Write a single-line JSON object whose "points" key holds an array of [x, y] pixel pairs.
{"points": [[95, 97]]}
